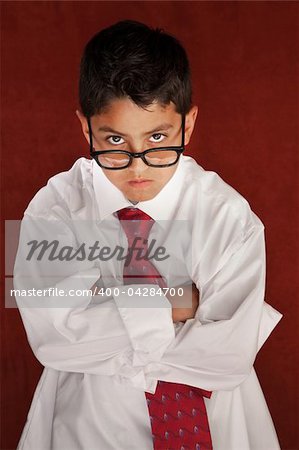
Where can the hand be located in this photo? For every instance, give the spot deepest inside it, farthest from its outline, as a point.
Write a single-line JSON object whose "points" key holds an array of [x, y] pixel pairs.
{"points": [[95, 288], [181, 314]]}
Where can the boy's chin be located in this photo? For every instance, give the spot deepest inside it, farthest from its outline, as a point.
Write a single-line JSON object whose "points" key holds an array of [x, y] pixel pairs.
{"points": [[140, 196]]}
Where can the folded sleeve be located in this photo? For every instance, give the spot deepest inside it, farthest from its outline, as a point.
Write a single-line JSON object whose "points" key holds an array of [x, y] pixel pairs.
{"points": [[216, 349], [69, 329]]}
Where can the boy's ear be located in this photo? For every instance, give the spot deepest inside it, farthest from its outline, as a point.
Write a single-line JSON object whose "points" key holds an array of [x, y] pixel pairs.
{"points": [[84, 124], [190, 123]]}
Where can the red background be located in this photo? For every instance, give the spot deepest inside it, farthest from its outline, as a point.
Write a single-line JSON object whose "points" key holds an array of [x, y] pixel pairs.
{"points": [[243, 58]]}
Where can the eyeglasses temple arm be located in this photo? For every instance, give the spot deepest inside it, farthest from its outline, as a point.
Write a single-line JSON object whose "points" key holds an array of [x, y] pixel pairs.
{"points": [[183, 130], [90, 135]]}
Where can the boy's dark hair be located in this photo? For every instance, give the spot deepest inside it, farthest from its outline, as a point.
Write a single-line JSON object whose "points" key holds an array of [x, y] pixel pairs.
{"points": [[130, 59]]}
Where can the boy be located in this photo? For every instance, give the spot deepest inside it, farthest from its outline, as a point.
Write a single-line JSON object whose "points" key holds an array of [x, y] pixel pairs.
{"points": [[132, 364]]}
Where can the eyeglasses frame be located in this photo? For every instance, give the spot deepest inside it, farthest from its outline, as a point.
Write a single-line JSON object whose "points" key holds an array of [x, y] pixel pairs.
{"points": [[179, 150]]}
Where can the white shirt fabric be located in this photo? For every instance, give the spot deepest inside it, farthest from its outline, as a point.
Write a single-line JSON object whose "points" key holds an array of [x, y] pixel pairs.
{"points": [[100, 356]]}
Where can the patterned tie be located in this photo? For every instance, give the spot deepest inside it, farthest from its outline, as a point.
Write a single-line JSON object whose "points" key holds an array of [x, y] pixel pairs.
{"points": [[177, 411], [137, 226]]}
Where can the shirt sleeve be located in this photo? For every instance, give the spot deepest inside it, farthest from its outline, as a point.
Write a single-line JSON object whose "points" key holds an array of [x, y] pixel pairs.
{"points": [[216, 349], [69, 329]]}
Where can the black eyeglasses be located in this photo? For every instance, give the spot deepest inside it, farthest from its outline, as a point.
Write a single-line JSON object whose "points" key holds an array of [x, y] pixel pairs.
{"points": [[154, 157]]}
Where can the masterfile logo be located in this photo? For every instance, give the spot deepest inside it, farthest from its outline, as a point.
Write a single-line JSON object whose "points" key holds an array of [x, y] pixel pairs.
{"points": [[59, 263]]}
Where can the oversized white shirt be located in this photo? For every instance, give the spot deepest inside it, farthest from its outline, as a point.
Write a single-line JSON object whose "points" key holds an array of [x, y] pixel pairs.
{"points": [[102, 354]]}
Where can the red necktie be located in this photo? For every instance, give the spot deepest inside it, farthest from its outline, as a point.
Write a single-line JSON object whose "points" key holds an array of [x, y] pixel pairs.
{"points": [[177, 411], [137, 226]]}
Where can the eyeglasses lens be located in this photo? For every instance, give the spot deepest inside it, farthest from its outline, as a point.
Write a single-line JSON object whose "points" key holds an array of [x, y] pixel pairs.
{"points": [[155, 158]]}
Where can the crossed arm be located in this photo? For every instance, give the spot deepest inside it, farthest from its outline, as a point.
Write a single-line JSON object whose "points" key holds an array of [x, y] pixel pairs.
{"points": [[215, 349], [179, 314]]}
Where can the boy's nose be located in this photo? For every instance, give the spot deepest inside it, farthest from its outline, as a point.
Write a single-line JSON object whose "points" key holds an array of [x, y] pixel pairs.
{"points": [[138, 166]]}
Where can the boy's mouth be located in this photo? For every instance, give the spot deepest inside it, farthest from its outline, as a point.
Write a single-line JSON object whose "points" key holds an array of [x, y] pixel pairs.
{"points": [[139, 182]]}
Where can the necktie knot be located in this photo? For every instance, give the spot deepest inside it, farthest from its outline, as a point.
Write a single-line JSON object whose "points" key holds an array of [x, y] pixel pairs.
{"points": [[131, 213], [135, 223]]}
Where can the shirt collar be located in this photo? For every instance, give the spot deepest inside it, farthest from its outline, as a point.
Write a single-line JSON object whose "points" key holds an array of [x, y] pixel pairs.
{"points": [[110, 199]]}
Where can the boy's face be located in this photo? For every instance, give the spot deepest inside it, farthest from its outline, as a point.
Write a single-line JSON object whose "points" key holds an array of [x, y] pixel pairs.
{"points": [[125, 126]]}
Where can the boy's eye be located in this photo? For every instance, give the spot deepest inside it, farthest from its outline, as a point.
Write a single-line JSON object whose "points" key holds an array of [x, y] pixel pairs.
{"points": [[157, 137], [115, 140]]}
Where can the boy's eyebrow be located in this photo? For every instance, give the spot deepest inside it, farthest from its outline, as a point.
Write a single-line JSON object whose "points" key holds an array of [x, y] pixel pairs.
{"points": [[162, 127]]}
